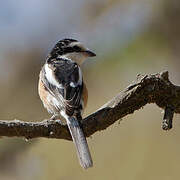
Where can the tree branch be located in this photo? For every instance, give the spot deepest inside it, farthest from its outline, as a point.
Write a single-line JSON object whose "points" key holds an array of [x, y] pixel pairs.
{"points": [[154, 88]]}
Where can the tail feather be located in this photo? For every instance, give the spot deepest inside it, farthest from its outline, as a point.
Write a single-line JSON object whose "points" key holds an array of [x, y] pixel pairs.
{"points": [[80, 143]]}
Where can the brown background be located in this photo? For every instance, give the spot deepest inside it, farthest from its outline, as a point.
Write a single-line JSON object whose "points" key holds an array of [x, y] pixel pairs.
{"points": [[129, 37]]}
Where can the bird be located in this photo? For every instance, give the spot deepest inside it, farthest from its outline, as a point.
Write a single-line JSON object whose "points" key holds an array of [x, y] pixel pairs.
{"points": [[63, 92]]}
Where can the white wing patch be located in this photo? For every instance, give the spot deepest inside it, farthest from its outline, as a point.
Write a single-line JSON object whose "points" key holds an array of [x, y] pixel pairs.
{"points": [[72, 84], [50, 77]]}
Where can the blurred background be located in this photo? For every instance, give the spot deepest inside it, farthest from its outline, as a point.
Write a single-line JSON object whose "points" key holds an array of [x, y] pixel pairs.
{"points": [[129, 37]]}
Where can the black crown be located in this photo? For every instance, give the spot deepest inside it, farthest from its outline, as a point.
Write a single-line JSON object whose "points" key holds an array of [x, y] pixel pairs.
{"points": [[61, 48]]}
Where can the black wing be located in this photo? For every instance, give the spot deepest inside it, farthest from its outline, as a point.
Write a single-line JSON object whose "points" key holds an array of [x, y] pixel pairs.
{"points": [[68, 76]]}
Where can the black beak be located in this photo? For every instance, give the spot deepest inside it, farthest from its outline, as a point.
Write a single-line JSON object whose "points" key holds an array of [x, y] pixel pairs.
{"points": [[90, 53]]}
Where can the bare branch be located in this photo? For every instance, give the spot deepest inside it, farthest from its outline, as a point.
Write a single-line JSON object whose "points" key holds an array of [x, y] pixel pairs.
{"points": [[154, 88]]}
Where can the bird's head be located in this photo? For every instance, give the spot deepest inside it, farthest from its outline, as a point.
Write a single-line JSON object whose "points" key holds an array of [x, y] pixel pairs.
{"points": [[71, 49]]}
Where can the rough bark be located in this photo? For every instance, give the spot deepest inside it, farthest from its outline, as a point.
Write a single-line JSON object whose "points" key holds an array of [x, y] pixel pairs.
{"points": [[155, 88]]}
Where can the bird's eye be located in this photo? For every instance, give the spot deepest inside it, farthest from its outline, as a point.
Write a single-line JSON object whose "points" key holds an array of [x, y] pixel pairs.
{"points": [[77, 49]]}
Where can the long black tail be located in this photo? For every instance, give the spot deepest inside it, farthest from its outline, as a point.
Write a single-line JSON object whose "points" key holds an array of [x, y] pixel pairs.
{"points": [[80, 143]]}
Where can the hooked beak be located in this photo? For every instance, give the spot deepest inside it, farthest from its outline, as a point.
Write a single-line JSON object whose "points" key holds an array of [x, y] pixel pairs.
{"points": [[90, 53]]}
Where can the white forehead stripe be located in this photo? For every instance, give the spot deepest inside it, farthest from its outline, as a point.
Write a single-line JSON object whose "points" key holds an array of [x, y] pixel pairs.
{"points": [[50, 77], [75, 43]]}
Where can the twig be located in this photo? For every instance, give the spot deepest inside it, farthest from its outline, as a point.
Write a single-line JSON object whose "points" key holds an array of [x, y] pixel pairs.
{"points": [[168, 118]]}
